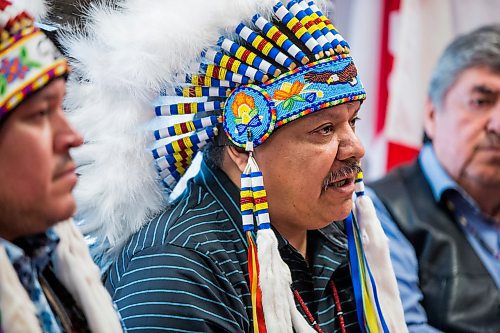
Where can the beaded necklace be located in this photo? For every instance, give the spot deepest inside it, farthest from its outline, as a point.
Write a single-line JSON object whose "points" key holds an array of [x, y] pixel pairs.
{"points": [[338, 309]]}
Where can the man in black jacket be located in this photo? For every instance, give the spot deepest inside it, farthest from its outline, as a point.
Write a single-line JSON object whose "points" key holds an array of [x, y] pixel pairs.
{"points": [[442, 213]]}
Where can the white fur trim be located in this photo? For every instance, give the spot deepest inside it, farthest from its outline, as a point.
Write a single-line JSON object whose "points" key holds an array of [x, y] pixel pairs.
{"points": [[17, 310], [78, 273], [275, 280], [300, 325]]}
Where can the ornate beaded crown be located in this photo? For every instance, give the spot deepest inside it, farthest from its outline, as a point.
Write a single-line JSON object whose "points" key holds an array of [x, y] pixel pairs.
{"points": [[29, 60]]}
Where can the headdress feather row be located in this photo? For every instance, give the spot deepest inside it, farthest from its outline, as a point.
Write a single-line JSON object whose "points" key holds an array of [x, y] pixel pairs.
{"points": [[264, 64], [116, 79]]}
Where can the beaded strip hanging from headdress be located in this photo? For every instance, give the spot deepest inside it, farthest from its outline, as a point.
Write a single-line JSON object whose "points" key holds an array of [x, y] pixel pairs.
{"points": [[252, 203]]}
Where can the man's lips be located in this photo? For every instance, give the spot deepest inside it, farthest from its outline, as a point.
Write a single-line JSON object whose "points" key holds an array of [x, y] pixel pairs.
{"points": [[68, 170], [344, 183], [490, 148]]}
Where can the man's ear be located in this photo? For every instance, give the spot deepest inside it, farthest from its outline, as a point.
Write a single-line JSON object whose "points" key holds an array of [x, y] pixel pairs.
{"points": [[238, 156], [430, 118]]}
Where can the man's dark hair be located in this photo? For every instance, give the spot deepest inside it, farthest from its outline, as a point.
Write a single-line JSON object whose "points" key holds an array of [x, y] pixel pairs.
{"points": [[213, 154]]}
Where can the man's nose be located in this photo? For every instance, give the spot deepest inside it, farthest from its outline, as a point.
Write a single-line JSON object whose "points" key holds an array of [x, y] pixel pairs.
{"points": [[350, 146], [493, 125], [65, 136]]}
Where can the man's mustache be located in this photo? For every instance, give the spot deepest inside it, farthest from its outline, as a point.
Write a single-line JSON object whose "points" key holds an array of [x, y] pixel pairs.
{"points": [[350, 167], [492, 140]]}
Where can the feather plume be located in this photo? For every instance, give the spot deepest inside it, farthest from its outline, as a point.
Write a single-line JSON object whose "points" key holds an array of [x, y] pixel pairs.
{"points": [[126, 53], [37, 8]]}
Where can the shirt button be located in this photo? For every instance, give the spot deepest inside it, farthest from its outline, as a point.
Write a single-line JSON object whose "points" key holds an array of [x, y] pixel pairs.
{"points": [[462, 220]]}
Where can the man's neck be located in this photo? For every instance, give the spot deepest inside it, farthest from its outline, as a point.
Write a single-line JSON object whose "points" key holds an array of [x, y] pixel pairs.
{"points": [[487, 199], [296, 238]]}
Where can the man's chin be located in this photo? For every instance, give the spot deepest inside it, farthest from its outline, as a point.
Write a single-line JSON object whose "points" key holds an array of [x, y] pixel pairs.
{"points": [[341, 211], [485, 177], [64, 209]]}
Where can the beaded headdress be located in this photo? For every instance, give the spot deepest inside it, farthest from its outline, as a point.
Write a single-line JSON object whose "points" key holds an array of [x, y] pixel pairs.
{"points": [[236, 68], [29, 60]]}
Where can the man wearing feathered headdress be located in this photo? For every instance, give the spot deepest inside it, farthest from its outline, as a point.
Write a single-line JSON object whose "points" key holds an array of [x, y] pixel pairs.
{"points": [[264, 237]]}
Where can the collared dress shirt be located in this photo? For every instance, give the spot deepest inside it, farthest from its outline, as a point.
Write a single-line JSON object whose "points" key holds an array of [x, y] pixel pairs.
{"points": [[479, 230], [186, 270]]}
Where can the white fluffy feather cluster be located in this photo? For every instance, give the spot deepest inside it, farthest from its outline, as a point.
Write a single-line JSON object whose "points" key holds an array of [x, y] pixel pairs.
{"points": [[124, 55], [37, 8]]}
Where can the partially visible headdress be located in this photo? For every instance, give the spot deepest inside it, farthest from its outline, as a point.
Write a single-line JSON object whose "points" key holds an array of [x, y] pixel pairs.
{"points": [[28, 59], [245, 66]]}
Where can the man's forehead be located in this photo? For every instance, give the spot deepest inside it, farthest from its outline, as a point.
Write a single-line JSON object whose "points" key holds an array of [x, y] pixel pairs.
{"points": [[336, 111], [480, 79], [52, 91]]}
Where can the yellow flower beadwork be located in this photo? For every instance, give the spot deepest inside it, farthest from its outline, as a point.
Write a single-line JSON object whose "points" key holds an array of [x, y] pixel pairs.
{"points": [[243, 107]]}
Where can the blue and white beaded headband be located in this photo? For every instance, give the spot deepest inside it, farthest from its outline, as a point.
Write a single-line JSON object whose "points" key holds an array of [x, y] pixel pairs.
{"points": [[259, 109]]}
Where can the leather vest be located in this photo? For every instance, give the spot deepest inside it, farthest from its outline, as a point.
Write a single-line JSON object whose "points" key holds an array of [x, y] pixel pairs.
{"points": [[459, 293]]}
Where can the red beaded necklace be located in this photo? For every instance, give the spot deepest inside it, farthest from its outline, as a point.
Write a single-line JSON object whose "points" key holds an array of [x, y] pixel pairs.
{"points": [[338, 309]]}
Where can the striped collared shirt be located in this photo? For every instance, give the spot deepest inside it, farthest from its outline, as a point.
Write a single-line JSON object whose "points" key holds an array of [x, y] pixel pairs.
{"points": [[186, 270]]}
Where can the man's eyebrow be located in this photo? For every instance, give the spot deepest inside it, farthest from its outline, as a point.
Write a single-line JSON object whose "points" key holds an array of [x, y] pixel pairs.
{"points": [[50, 96], [482, 89], [321, 115]]}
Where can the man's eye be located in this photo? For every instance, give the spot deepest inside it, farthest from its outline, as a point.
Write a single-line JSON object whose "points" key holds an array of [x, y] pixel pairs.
{"points": [[38, 115], [353, 121], [41, 113], [327, 129], [480, 102]]}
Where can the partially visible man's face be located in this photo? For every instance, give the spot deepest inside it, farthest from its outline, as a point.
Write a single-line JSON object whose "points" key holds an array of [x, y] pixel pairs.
{"points": [[36, 172], [309, 168], [466, 131]]}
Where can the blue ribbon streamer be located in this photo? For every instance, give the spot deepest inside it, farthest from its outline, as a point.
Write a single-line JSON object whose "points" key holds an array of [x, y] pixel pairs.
{"points": [[355, 271]]}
